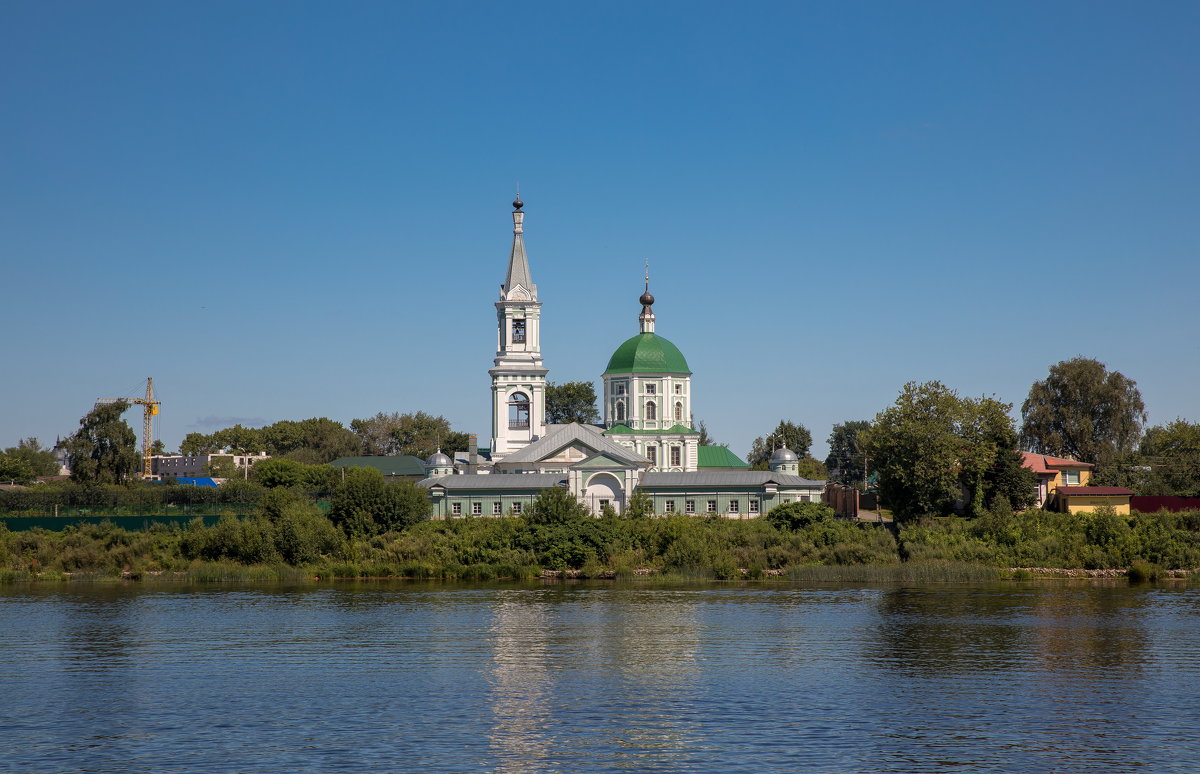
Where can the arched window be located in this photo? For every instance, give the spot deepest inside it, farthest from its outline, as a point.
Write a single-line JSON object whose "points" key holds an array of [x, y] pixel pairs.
{"points": [[620, 411], [518, 411], [651, 410], [678, 411]]}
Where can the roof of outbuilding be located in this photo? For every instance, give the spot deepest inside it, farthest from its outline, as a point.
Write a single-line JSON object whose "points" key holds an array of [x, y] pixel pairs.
{"points": [[726, 478], [532, 481], [398, 465], [718, 457], [647, 353], [1094, 490], [567, 434]]}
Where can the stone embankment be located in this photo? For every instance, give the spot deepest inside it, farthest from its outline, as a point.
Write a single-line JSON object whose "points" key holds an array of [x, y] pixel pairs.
{"points": [[1059, 572]]}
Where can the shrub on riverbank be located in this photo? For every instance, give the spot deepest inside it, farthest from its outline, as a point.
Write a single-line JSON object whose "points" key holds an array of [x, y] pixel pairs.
{"points": [[1036, 538]]}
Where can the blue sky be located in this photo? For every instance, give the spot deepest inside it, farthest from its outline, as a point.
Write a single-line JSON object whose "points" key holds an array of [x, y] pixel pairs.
{"points": [[284, 210]]}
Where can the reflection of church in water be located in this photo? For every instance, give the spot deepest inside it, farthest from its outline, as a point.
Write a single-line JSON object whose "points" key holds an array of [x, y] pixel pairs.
{"points": [[646, 441]]}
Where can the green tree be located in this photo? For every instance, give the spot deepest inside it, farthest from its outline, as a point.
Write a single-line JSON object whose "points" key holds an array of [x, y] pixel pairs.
{"points": [[640, 505], [222, 467], [705, 438], [571, 402], [811, 468], [376, 434], [364, 504], [15, 470], [314, 441], [847, 461], [42, 462], [794, 516], [555, 506], [197, 443], [933, 450], [1172, 452], [1083, 411], [104, 449], [795, 436], [240, 440], [158, 448], [421, 434]]}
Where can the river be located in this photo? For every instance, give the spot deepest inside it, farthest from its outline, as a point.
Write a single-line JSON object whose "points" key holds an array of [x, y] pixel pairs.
{"points": [[1023, 676]]}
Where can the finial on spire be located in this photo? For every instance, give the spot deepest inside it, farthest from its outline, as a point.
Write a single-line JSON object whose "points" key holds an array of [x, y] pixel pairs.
{"points": [[647, 300], [517, 203], [646, 318]]}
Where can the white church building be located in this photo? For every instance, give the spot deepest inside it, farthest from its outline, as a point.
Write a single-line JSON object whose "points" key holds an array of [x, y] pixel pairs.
{"points": [[645, 443]]}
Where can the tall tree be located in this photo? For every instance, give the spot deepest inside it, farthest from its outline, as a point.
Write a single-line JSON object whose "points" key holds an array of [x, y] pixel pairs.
{"points": [[1172, 452], [1083, 411], [932, 449], [41, 462], [571, 402], [376, 433], [793, 435], [197, 443], [706, 439], [364, 504], [104, 449], [847, 460], [421, 434]]}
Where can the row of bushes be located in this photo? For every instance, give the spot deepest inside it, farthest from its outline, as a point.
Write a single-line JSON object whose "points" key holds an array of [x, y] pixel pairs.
{"points": [[289, 531], [1102, 539]]}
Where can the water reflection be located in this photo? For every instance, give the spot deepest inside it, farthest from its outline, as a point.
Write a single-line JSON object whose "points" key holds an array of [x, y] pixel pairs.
{"points": [[521, 684]]}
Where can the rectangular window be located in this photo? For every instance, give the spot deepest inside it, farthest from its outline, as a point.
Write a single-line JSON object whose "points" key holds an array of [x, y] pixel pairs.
{"points": [[1070, 478], [733, 507], [456, 509], [497, 509], [753, 504], [518, 332], [670, 506], [712, 506], [652, 455], [806, 498], [619, 389], [689, 506], [477, 509], [651, 388], [678, 389], [603, 504], [676, 456], [516, 509]]}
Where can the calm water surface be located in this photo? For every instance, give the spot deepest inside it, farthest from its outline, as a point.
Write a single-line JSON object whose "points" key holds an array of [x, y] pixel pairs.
{"points": [[1029, 677]]}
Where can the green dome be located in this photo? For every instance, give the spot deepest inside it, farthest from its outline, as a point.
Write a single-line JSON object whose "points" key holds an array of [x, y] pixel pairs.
{"points": [[647, 353]]}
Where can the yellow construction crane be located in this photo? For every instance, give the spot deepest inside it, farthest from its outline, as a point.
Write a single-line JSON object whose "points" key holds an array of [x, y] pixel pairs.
{"points": [[151, 410]]}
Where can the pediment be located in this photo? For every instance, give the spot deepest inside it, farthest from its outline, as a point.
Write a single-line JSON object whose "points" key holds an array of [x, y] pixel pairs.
{"points": [[519, 293], [602, 461], [570, 454]]}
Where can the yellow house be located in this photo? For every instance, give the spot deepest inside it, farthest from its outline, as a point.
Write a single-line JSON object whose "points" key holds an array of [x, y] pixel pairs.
{"points": [[1063, 485]]}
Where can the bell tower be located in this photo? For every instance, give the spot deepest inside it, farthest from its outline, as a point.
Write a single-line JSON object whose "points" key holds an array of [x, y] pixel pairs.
{"points": [[518, 378]]}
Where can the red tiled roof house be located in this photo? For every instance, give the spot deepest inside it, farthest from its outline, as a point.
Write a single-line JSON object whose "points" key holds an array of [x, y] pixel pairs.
{"points": [[1062, 485]]}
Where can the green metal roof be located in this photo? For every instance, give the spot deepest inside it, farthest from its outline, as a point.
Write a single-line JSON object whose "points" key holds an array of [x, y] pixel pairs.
{"points": [[673, 430], [399, 465], [718, 457], [647, 353]]}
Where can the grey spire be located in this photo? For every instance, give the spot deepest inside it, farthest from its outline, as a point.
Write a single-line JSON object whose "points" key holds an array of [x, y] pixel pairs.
{"points": [[518, 264]]}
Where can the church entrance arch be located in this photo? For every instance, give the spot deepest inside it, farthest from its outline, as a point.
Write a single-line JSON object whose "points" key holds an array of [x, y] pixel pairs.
{"points": [[604, 489]]}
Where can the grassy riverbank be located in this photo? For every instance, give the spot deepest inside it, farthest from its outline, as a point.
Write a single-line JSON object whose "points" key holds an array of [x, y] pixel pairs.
{"points": [[301, 543]]}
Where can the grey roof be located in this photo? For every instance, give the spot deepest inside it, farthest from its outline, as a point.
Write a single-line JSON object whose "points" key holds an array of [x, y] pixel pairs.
{"points": [[497, 481], [439, 460], [726, 478], [784, 455], [565, 435]]}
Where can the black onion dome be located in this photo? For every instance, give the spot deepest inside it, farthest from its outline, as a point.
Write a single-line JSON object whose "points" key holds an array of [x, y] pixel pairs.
{"points": [[647, 299], [517, 203]]}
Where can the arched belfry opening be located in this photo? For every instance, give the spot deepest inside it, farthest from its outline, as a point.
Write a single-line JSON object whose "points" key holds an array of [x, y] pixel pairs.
{"points": [[518, 411]]}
